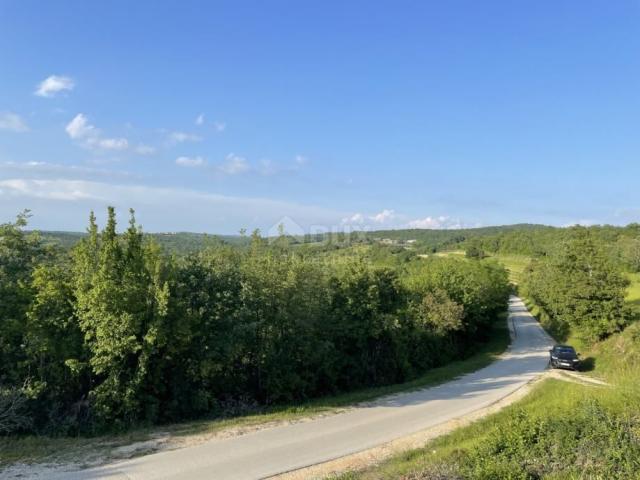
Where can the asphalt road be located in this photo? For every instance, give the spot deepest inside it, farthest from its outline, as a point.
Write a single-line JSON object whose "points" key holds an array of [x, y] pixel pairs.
{"points": [[280, 449]]}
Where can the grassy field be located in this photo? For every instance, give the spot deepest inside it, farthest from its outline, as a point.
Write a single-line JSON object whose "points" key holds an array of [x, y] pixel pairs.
{"points": [[515, 264], [41, 448], [560, 430]]}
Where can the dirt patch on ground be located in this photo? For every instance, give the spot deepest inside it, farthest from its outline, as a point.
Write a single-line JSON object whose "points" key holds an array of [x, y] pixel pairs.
{"points": [[575, 377], [93, 454]]}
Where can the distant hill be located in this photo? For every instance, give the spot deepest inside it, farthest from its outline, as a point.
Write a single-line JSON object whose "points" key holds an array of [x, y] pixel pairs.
{"points": [[178, 242], [425, 239], [524, 238], [448, 239], [431, 239]]}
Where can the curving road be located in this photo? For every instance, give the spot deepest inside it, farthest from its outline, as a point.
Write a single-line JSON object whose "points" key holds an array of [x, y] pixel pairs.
{"points": [[276, 450]]}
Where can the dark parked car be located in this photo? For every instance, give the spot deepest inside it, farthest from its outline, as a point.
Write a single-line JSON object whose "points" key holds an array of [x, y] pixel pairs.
{"points": [[564, 356]]}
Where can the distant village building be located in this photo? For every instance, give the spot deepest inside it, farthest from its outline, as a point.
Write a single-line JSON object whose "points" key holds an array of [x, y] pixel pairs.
{"points": [[391, 241]]}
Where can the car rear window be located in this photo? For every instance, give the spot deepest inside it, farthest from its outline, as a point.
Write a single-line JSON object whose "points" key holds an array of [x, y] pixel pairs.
{"points": [[565, 350]]}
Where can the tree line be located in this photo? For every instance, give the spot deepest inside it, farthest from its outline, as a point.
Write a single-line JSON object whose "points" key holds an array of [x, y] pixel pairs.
{"points": [[116, 332]]}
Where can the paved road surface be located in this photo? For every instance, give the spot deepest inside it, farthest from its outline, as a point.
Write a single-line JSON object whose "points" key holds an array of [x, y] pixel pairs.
{"points": [[280, 449]]}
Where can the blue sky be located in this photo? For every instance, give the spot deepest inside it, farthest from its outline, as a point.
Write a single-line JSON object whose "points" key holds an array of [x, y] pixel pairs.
{"points": [[213, 116]]}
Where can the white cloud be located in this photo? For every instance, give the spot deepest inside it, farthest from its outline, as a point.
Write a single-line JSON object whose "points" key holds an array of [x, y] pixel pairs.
{"points": [[384, 216], [220, 126], [89, 136], [355, 219], [181, 137], [585, 222], [388, 218], [54, 84], [143, 149], [13, 122], [79, 127], [234, 165], [191, 161], [267, 167], [110, 143], [200, 119], [442, 222]]}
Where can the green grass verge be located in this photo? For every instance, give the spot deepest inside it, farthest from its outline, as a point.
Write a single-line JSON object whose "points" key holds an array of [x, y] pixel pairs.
{"points": [[41, 448], [560, 430]]}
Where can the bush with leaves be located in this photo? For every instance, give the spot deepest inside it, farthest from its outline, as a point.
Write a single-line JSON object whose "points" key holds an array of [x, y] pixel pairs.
{"points": [[14, 416]]}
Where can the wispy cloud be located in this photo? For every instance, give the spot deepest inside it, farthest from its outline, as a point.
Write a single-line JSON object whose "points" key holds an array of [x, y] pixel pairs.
{"points": [[112, 143], [79, 127], [53, 85], [159, 208], [143, 149], [585, 222], [191, 162], [266, 166], [388, 218], [355, 219], [181, 137], [12, 122], [360, 219], [384, 216], [300, 160], [47, 170], [442, 222], [234, 165], [46, 189], [201, 120], [87, 135]]}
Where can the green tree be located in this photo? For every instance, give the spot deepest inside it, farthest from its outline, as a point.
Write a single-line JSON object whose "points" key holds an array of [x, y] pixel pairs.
{"points": [[121, 306], [439, 313], [362, 324], [56, 357], [474, 250], [20, 253], [580, 287]]}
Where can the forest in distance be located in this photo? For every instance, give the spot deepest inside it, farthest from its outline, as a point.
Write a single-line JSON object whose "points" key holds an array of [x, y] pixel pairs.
{"points": [[522, 239], [116, 330]]}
